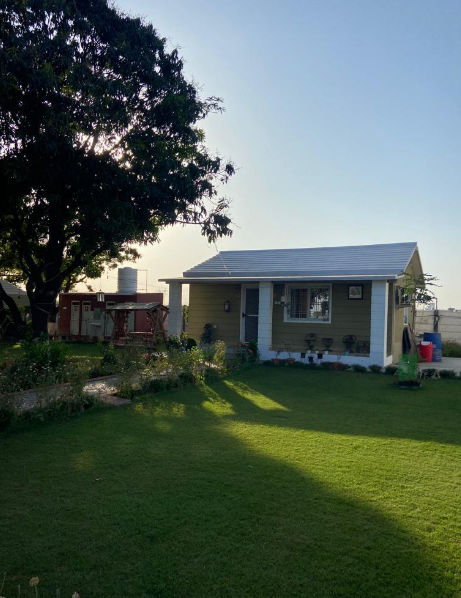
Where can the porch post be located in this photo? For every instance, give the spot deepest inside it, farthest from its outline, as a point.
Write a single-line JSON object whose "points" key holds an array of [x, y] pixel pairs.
{"points": [[378, 329], [175, 307], [265, 319]]}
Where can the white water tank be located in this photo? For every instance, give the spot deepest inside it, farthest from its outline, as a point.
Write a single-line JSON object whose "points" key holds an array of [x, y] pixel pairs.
{"points": [[127, 281]]}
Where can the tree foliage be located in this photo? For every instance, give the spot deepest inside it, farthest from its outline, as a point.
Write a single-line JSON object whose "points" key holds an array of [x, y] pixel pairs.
{"points": [[419, 288], [100, 146]]}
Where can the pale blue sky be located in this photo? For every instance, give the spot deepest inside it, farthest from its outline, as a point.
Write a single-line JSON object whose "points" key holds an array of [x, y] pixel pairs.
{"points": [[343, 118]]}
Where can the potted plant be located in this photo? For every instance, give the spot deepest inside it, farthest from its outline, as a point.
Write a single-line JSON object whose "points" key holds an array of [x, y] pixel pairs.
{"points": [[310, 344], [349, 341], [290, 358], [327, 342], [276, 360], [408, 372]]}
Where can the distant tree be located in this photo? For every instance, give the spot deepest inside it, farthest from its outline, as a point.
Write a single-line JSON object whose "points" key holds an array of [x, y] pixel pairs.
{"points": [[99, 145]]}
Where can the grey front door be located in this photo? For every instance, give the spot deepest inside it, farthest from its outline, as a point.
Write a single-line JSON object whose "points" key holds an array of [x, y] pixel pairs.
{"points": [[250, 314]]}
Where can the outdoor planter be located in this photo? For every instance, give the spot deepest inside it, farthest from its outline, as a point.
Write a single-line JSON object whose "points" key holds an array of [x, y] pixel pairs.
{"points": [[276, 361], [291, 360], [409, 384]]}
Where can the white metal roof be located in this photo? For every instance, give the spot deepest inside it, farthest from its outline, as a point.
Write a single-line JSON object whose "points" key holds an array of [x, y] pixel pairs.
{"points": [[356, 261]]}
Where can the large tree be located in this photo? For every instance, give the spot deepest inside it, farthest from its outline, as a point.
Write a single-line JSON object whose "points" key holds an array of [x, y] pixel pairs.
{"points": [[100, 146]]}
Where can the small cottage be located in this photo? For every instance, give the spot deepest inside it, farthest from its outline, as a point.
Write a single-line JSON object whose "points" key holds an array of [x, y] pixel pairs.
{"points": [[344, 302]]}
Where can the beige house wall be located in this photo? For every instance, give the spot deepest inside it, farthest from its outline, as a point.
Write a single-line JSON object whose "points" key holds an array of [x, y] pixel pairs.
{"points": [[206, 304], [348, 316]]}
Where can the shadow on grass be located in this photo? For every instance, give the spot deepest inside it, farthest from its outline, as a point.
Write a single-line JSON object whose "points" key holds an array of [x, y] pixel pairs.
{"points": [[160, 500], [345, 403]]}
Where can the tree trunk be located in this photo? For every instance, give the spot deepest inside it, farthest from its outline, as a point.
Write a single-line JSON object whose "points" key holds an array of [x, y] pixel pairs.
{"points": [[42, 306]]}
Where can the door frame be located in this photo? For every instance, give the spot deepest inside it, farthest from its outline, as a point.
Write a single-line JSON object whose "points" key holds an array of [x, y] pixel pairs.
{"points": [[244, 287], [72, 303]]}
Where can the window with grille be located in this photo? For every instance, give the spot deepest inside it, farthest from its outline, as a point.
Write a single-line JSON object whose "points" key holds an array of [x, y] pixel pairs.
{"points": [[308, 304]]}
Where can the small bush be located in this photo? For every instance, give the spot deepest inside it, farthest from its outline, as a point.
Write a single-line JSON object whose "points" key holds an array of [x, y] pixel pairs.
{"points": [[375, 369], [326, 365], [171, 383], [219, 355], [109, 360], [126, 391], [447, 373], [208, 334], [189, 343], [390, 370], [152, 386], [359, 368], [451, 349], [173, 343], [339, 366], [186, 378]]}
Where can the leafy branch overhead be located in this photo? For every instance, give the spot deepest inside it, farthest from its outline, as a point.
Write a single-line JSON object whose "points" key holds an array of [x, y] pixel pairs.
{"points": [[100, 143], [420, 287]]}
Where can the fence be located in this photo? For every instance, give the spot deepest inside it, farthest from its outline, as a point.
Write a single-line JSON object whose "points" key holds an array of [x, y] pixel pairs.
{"points": [[448, 323]]}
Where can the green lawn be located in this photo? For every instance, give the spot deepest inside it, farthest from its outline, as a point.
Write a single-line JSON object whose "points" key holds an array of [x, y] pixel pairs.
{"points": [[275, 482]]}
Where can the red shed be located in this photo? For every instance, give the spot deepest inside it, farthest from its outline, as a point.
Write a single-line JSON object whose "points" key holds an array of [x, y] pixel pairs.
{"points": [[81, 316]]}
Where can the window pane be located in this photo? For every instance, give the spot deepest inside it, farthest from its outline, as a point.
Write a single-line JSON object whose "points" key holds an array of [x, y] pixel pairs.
{"points": [[298, 303], [319, 303]]}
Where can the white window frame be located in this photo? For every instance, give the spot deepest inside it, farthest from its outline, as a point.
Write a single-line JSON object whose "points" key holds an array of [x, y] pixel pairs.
{"points": [[310, 285]]}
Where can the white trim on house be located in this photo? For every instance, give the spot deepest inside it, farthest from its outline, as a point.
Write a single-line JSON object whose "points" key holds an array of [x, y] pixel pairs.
{"points": [[266, 291], [378, 324], [305, 285], [175, 309]]}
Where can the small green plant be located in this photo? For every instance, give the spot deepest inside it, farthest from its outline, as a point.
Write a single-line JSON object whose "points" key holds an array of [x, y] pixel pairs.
{"points": [[349, 341], [310, 341], [359, 368], [408, 367], [109, 359], [408, 371], [219, 356], [208, 334], [327, 342], [174, 343], [375, 369]]}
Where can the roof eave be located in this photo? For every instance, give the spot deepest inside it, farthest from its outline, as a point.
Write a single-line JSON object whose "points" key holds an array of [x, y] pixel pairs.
{"points": [[287, 278]]}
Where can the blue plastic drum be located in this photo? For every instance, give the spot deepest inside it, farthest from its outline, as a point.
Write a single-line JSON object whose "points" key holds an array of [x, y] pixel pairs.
{"points": [[436, 339]]}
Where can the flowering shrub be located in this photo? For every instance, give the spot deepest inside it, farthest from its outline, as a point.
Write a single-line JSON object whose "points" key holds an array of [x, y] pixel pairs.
{"points": [[42, 363], [249, 351]]}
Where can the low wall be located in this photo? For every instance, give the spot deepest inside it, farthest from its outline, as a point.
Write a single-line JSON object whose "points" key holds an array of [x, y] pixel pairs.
{"points": [[448, 323]]}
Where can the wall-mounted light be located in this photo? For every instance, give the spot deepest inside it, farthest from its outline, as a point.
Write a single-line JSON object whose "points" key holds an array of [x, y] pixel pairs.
{"points": [[100, 297], [227, 305]]}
